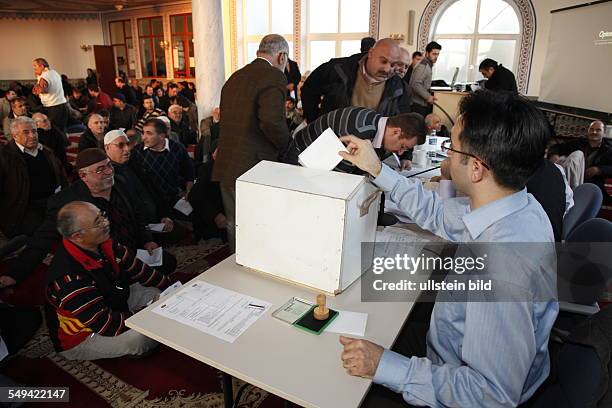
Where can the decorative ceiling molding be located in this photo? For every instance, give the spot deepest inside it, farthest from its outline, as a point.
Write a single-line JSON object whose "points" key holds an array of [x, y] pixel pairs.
{"points": [[48, 16], [527, 17]]}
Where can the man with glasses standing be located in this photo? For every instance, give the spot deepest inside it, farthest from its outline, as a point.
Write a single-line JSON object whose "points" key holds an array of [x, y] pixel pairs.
{"points": [[93, 285], [254, 126], [480, 348], [96, 185]]}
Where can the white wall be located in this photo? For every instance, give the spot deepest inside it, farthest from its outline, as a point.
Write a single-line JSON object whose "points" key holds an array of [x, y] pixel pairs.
{"points": [[394, 19], [57, 41]]}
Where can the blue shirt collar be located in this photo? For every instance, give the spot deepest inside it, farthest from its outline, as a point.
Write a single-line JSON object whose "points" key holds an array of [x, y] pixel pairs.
{"points": [[480, 219]]}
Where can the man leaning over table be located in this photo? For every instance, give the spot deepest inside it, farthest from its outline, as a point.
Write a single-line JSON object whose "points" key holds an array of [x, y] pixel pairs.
{"points": [[477, 353]]}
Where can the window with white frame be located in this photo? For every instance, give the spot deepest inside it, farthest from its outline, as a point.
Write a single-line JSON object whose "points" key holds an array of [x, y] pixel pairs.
{"points": [[334, 28], [262, 17], [472, 30]]}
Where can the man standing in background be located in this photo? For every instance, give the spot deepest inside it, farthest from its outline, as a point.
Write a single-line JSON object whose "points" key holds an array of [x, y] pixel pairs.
{"points": [[422, 100], [51, 93], [254, 126]]}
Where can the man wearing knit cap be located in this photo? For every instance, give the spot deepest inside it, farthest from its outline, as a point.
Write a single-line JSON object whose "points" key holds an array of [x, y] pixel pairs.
{"points": [[133, 177], [122, 114], [96, 185]]}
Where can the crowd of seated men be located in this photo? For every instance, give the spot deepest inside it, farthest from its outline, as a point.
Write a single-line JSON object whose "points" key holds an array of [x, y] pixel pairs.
{"points": [[132, 165]]}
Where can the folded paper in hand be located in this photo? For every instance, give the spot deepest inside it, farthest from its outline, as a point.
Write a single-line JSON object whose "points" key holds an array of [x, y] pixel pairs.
{"points": [[323, 154], [183, 206], [154, 259], [157, 227]]}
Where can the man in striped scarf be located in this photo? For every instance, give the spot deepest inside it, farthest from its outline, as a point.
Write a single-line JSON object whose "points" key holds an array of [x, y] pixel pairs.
{"points": [[93, 286]]}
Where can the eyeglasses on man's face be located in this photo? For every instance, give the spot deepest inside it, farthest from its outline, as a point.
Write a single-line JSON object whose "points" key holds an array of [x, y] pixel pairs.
{"points": [[448, 146], [106, 169]]}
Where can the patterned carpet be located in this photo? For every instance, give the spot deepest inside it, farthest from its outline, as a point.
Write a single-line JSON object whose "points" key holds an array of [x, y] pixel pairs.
{"points": [[166, 378]]}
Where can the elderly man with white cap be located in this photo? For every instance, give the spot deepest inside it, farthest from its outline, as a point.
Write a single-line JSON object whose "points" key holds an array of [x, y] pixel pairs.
{"points": [[134, 178]]}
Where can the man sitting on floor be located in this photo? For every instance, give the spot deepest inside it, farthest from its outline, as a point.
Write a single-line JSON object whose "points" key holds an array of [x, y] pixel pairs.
{"points": [[93, 137], [93, 286], [166, 161], [180, 125], [19, 107], [29, 175], [482, 349], [53, 138], [122, 114], [133, 177]]}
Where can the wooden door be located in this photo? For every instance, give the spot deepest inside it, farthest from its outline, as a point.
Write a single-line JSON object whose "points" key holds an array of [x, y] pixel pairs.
{"points": [[105, 68]]}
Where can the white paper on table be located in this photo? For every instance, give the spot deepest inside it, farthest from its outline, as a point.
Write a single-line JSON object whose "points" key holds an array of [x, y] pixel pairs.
{"points": [[154, 259], [392, 241], [323, 154], [214, 310], [170, 289], [183, 206], [352, 323], [157, 227]]}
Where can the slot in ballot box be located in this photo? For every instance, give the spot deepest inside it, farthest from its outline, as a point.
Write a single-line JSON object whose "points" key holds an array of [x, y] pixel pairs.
{"points": [[304, 225]]}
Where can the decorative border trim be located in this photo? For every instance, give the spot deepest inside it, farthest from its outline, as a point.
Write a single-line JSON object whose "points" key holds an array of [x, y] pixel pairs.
{"points": [[297, 30], [23, 15], [528, 25], [233, 35], [374, 18]]}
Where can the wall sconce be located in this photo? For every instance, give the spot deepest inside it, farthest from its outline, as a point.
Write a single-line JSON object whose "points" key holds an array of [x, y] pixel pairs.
{"points": [[397, 37], [85, 47], [164, 44]]}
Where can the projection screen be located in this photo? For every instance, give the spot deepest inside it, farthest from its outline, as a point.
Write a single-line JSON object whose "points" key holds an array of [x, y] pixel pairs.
{"points": [[578, 70]]}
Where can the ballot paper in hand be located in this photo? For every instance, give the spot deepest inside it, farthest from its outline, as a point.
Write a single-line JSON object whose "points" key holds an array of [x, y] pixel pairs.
{"points": [[323, 154], [183, 206], [156, 227], [154, 259]]}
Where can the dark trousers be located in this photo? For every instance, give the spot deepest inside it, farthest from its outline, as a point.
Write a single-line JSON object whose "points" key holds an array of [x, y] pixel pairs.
{"points": [[410, 342], [58, 115], [18, 325], [421, 110], [32, 219]]}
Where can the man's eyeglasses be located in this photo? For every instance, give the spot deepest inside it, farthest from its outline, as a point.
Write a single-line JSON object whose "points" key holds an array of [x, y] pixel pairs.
{"points": [[101, 221], [107, 169], [121, 145], [448, 146]]}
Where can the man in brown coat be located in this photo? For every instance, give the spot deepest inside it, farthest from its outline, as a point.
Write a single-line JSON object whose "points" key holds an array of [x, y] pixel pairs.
{"points": [[254, 126]]}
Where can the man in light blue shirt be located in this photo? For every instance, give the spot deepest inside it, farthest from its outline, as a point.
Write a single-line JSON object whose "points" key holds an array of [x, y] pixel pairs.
{"points": [[482, 350]]}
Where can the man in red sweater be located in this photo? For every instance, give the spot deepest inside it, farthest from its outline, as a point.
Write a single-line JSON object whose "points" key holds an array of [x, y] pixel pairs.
{"points": [[93, 286]]}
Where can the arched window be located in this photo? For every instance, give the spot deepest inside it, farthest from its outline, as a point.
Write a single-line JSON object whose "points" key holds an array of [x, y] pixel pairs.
{"points": [[472, 30]]}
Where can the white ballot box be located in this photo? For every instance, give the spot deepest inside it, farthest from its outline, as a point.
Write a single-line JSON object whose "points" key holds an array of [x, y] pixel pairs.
{"points": [[305, 225]]}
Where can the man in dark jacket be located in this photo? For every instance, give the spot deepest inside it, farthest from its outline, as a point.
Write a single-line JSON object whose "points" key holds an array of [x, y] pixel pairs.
{"points": [[53, 138], [93, 286], [122, 115], [294, 76], [499, 78], [94, 135], [179, 124], [96, 186], [29, 174], [365, 80], [127, 91], [597, 153]]}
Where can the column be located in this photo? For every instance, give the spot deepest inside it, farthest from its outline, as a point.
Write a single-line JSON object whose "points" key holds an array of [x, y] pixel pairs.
{"points": [[209, 56]]}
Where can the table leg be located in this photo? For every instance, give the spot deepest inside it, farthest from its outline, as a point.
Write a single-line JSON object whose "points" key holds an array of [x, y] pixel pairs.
{"points": [[228, 391]]}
